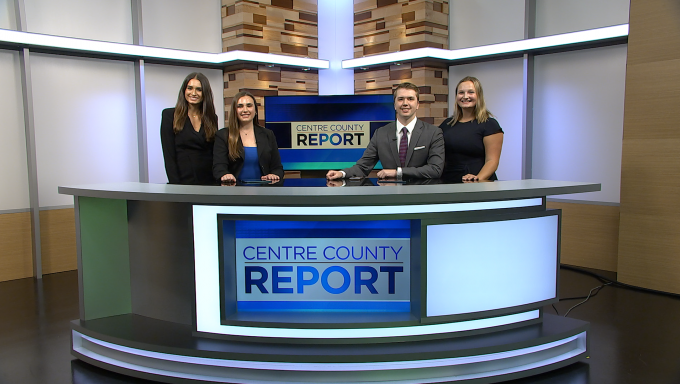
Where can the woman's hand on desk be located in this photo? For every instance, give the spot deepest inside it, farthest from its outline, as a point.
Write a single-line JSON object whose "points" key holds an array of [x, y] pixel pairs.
{"points": [[271, 177], [228, 178], [470, 177]]}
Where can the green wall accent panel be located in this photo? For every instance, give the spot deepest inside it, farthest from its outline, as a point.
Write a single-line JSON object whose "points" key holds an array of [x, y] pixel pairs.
{"points": [[105, 257]]}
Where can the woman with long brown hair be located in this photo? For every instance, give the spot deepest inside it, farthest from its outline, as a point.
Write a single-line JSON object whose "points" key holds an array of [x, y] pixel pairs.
{"points": [[472, 137], [245, 150], [188, 133]]}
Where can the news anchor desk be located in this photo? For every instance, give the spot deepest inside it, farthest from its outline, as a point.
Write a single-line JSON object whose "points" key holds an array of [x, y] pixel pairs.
{"points": [[305, 283]]}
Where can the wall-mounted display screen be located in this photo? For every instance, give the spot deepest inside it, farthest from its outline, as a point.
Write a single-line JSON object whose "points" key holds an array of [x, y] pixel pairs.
{"points": [[325, 132]]}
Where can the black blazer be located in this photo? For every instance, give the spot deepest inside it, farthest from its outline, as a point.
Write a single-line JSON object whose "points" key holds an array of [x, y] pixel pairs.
{"points": [[267, 154], [187, 154], [424, 159]]}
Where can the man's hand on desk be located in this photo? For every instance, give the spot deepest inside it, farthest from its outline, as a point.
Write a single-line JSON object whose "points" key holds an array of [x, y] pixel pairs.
{"points": [[387, 173], [333, 175]]}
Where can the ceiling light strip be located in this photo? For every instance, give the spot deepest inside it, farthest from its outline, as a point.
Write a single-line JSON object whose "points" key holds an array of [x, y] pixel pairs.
{"points": [[130, 50], [526, 45]]}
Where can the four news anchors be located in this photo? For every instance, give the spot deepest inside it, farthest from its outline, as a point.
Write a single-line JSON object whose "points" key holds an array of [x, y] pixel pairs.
{"points": [[465, 147]]}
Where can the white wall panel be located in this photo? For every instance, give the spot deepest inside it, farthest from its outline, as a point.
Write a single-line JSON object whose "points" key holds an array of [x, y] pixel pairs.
{"points": [[105, 20], [502, 84], [578, 119], [194, 25], [482, 22], [85, 123], [560, 16], [7, 19], [14, 172], [162, 87]]}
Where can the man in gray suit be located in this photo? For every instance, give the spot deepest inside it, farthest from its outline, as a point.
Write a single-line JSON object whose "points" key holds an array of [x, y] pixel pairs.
{"points": [[408, 148]]}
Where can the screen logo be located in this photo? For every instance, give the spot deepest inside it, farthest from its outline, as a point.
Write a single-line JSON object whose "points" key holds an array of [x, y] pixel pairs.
{"points": [[330, 134]]}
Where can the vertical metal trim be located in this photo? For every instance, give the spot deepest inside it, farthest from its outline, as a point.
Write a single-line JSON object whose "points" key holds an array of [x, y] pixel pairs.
{"points": [[140, 94], [140, 102], [29, 132], [528, 92], [79, 252]]}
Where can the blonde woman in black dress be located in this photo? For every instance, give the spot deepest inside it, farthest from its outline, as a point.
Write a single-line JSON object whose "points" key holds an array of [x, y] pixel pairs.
{"points": [[472, 137]]}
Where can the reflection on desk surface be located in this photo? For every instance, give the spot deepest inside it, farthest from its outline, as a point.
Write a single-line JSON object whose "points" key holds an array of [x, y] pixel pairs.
{"points": [[363, 182]]}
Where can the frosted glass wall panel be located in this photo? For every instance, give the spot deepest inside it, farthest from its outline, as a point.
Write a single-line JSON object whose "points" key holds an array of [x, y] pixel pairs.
{"points": [[85, 123], [482, 22], [194, 25], [578, 119], [560, 16], [105, 20], [7, 18], [14, 172], [502, 83], [162, 87]]}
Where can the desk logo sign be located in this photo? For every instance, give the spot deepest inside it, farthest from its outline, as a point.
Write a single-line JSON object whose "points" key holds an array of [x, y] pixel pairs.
{"points": [[323, 274], [330, 134]]}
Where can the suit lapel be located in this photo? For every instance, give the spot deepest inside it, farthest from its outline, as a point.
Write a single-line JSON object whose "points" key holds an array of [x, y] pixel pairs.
{"points": [[417, 130], [392, 140]]}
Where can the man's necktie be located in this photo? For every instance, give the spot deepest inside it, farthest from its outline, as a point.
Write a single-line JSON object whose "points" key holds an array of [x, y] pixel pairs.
{"points": [[403, 146]]}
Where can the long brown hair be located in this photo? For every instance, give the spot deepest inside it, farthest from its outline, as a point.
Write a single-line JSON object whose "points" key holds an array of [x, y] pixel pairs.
{"points": [[481, 113], [208, 118], [235, 144]]}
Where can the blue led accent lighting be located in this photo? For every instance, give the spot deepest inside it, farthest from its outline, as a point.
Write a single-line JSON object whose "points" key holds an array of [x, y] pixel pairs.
{"points": [[320, 155], [386, 229], [324, 306], [329, 108]]}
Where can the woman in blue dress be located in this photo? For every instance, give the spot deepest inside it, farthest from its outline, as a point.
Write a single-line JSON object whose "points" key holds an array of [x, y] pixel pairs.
{"points": [[245, 150]]}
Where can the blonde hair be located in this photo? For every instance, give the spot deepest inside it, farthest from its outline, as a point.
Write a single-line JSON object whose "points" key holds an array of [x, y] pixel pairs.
{"points": [[481, 113]]}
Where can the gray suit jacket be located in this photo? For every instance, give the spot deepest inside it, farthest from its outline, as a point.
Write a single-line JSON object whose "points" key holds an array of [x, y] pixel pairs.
{"points": [[424, 159]]}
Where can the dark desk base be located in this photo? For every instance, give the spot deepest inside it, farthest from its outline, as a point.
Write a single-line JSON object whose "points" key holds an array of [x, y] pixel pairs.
{"points": [[169, 352]]}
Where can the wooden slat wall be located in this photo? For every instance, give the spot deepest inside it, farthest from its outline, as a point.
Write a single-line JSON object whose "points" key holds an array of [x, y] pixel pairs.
{"points": [[590, 235], [397, 25], [16, 260], [270, 26], [58, 240], [261, 81], [649, 237], [432, 81], [273, 26]]}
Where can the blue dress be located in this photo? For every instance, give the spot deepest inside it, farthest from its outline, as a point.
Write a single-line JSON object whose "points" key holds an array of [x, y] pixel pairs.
{"points": [[251, 165]]}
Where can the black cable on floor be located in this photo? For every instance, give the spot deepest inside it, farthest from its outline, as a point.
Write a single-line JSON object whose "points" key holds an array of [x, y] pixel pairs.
{"points": [[615, 283], [588, 297]]}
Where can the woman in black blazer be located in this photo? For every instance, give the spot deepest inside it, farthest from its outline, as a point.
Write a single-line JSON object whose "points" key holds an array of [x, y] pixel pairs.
{"points": [[245, 150], [188, 133]]}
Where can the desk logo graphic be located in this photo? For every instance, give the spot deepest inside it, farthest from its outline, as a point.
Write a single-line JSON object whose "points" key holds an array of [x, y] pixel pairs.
{"points": [[323, 273]]}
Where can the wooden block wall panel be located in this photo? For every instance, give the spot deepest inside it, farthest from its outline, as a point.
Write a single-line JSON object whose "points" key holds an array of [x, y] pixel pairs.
{"points": [[432, 82], [16, 254], [649, 235], [262, 80], [590, 235], [58, 240], [397, 25], [271, 26]]}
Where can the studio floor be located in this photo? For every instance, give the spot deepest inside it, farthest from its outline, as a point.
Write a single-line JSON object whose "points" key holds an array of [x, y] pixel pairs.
{"points": [[634, 335]]}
